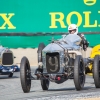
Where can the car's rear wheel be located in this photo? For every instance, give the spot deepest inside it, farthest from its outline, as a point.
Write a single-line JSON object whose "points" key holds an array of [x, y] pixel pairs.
{"points": [[96, 71], [45, 84], [25, 75], [79, 72], [40, 48]]}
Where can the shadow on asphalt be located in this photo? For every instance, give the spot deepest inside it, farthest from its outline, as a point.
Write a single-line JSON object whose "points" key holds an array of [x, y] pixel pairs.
{"points": [[6, 77], [64, 89]]}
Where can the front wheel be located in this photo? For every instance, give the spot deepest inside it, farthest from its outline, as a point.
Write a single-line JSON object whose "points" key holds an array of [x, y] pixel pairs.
{"points": [[10, 75], [79, 72], [25, 73], [96, 71]]}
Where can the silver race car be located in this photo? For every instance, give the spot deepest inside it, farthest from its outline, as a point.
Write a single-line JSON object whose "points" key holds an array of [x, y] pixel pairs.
{"points": [[6, 61], [57, 62]]}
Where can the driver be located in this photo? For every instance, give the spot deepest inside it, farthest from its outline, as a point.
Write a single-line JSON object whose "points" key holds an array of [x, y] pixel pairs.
{"points": [[73, 29]]}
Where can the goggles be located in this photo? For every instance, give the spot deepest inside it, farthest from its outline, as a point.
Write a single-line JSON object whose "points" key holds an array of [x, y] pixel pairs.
{"points": [[70, 31]]}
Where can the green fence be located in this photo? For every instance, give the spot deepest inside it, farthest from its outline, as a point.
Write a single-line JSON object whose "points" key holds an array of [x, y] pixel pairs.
{"points": [[32, 16], [33, 41]]}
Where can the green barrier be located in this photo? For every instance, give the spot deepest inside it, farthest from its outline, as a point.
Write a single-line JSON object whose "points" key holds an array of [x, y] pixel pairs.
{"points": [[46, 16], [33, 41], [49, 15], [25, 41]]}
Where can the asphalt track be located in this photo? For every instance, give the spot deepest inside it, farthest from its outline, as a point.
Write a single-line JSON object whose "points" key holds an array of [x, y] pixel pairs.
{"points": [[10, 89]]}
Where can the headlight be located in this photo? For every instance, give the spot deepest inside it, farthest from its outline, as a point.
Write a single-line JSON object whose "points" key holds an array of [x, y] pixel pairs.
{"points": [[4, 70], [11, 70]]}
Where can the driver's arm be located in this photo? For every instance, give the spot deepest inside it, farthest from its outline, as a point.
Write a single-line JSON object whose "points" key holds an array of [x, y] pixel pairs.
{"points": [[62, 39], [84, 42]]}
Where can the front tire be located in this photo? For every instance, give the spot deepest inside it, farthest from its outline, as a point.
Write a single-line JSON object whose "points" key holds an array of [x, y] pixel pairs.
{"points": [[25, 73], [96, 71], [10, 75], [79, 72]]}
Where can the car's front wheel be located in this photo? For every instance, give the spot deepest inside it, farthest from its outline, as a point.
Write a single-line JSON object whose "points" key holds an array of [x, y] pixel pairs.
{"points": [[96, 71], [79, 72], [25, 73], [10, 75]]}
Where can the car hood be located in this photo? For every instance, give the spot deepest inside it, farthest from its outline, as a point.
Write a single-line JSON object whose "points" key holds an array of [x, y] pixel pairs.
{"points": [[53, 47]]}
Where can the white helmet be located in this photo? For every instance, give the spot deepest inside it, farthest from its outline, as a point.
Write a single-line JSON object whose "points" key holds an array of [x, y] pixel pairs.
{"points": [[73, 27]]}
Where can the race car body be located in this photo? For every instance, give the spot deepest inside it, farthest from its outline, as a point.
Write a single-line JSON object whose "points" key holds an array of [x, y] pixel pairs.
{"points": [[95, 51], [93, 65], [6, 61], [6, 56], [57, 62]]}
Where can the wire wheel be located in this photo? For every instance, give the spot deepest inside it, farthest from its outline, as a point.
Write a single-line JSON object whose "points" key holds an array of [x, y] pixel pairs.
{"points": [[96, 71], [25, 74], [79, 72]]}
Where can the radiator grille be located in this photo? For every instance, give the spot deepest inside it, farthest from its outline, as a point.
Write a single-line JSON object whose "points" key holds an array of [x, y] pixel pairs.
{"points": [[7, 59], [52, 62]]}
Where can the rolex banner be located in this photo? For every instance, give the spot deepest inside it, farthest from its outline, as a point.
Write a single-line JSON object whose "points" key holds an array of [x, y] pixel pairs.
{"points": [[26, 23]]}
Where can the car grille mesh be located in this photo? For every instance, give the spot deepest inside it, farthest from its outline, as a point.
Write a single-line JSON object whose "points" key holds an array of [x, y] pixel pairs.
{"points": [[52, 62], [7, 59]]}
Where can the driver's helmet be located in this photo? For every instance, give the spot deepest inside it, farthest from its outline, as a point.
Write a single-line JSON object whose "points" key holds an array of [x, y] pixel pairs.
{"points": [[73, 29]]}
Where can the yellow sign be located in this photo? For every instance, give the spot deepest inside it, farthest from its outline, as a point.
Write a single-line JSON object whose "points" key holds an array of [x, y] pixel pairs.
{"points": [[89, 2], [7, 21], [86, 14]]}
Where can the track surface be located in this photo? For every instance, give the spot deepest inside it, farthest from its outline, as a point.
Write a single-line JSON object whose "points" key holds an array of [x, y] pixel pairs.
{"points": [[10, 89]]}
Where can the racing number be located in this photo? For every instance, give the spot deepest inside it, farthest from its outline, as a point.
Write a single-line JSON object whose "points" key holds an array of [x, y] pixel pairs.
{"points": [[53, 64]]}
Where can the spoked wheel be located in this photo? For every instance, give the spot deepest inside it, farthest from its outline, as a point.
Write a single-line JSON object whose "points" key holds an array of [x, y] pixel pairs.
{"points": [[79, 72], [45, 84], [40, 48], [96, 71], [25, 74]]}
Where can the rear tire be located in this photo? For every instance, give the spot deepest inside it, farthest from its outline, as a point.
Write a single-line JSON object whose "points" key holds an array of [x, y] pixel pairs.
{"points": [[45, 84], [79, 72], [96, 71], [25, 74], [40, 48]]}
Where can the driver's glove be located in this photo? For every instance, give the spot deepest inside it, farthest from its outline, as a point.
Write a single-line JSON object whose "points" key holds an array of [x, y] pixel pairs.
{"points": [[85, 44]]}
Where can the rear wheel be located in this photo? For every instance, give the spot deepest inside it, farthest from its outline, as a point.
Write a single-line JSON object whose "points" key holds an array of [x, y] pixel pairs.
{"points": [[40, 48], [96, 71], [25, 73], [45, 84], [79, 72]]}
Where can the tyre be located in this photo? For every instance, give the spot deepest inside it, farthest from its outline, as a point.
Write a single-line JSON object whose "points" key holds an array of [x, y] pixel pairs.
{"points": [[10, 75], [79, 72], [25, 73], [40, 48], [96, 71], [45, 84]]}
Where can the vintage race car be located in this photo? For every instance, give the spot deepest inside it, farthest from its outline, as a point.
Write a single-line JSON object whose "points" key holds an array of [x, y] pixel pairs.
{"points": [[6, 61], [93, 65], [58, 61]]}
